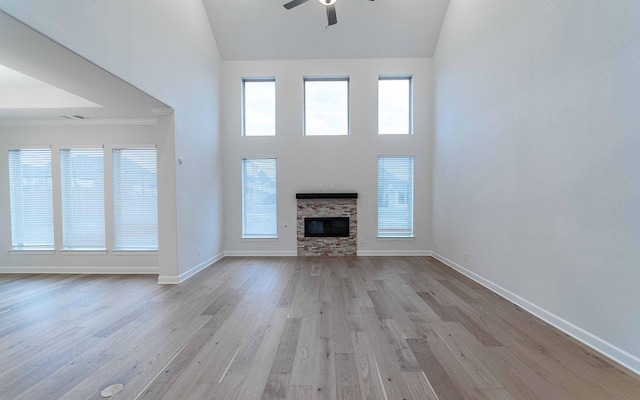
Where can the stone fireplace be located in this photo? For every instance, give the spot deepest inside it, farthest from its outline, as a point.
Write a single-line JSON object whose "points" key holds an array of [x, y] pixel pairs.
{"points": [[331, 221]]}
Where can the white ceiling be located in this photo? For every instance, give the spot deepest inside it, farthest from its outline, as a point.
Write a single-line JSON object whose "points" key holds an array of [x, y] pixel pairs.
{"points": [[265, 30], [46, 67]]}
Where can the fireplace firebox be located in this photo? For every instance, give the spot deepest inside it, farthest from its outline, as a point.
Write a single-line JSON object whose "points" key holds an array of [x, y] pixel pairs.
{"points": [[326, 227]]}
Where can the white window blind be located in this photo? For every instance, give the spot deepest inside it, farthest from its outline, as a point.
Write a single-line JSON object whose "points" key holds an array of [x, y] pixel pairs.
{"points": [[394, 106], [326, 106], [259, 207], [395, 196], [82, 173], [31, 197], [259, 107], [135, 198]]}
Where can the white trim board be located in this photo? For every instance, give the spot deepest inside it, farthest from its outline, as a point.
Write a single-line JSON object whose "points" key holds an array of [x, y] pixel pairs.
{"points": [[616, 354], [81, 270], [242, 253], [361, 253], [394, 253], [81, 122], [174, 280]]}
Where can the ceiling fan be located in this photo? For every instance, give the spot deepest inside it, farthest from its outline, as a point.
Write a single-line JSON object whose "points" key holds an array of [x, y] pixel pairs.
{"points": [[330, 5]]}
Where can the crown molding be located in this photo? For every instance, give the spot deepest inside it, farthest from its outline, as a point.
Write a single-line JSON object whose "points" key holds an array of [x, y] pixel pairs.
{"points": [[162, 111], [82, 122]]}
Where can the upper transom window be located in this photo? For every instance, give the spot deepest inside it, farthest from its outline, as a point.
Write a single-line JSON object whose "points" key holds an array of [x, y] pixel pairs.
{"points": [[326, 106], [259, 107], [394, 106]]}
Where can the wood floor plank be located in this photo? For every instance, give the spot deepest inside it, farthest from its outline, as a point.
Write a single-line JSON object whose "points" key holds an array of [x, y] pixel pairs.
{"points": [[438, 378], [305, 357], [371, 385], [287, 347], [419, 386], [385, 357], [347, 385], [324, 387], [287, 296]]}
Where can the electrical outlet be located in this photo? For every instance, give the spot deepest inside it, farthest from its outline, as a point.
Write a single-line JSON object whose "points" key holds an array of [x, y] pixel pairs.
{"points": [[466, 257], [198, 252]]}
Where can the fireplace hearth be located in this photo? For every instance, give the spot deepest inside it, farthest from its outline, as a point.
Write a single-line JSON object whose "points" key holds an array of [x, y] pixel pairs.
{"points": [[327, 224]]}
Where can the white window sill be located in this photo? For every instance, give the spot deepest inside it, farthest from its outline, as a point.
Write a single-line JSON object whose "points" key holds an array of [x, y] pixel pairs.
{"points": [[396, 237], [134, 252], [83, 252], [260, 239], [32, 251]]}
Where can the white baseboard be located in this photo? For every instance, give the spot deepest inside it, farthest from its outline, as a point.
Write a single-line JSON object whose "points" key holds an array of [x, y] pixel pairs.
{"points": [[80, 270], [174, 280], [282, 253], [394, 253], [618, 355]]}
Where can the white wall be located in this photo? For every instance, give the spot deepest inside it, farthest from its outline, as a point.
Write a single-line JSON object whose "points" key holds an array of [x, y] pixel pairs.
{"points": [[536, 171], [166, 49], [340, 164], [57, 137]]}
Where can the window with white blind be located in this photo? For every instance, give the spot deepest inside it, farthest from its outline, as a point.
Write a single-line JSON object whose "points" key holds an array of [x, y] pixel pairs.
{"points": [[135, 199], [394, 105], [31, 197], [82, 179], [395, 197], [326, 106], [259, 200], [259, 107]]}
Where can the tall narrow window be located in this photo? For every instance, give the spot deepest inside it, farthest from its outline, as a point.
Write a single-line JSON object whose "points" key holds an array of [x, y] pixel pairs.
{"points": [[135, 199], [259, 200], [326, 106], [31, 197], [259, 107], [394, 106], [82, 173], [395, 196]]}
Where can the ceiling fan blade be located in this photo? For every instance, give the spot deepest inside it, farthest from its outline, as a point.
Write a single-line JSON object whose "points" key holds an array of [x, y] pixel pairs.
{"points": [[294, 3], [331, 14]]}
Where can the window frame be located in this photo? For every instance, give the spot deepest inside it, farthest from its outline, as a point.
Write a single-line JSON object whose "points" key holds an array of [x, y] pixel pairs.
{"points": [[116, 247], [395, 233], [337, 78], [254, 236], [243, 104], [408, 78], [49, 246], [63, 187]]}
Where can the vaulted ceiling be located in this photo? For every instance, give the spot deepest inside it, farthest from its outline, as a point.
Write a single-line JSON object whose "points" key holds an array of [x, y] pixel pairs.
{"points": [[243, 29], [265, 30]]}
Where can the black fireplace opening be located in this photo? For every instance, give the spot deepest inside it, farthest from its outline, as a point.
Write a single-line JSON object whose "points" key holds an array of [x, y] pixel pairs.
{"points": [[326, 227]]}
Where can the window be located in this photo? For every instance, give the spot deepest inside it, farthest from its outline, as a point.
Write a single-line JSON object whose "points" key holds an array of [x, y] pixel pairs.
{"points": [[395, 197], [259, 207], [82, 173], [326, 106], [31, 197], [394, 106], [135, 198], [259, 107]]}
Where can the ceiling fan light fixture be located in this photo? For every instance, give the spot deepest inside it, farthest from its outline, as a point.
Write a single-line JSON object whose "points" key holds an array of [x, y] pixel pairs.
{"points": [[327, 2]]}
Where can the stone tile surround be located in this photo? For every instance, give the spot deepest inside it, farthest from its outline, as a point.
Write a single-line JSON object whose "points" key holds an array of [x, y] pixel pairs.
{"points": [[327, 205]]}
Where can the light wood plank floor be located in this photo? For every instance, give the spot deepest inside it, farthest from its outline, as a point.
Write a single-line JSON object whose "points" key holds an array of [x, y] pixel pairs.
{"points": [[289, 328]]}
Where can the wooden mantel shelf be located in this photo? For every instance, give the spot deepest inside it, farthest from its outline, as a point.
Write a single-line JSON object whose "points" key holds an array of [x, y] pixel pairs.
{"points": [[326, 195]]}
